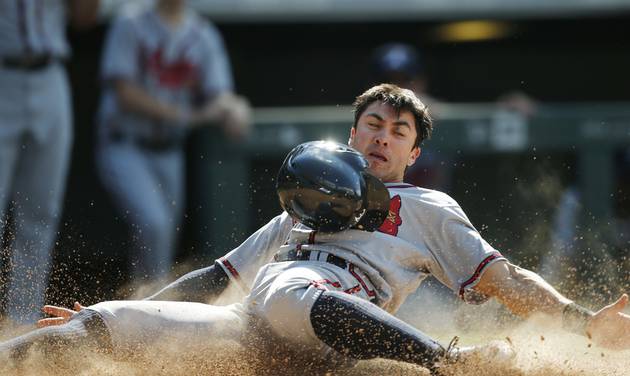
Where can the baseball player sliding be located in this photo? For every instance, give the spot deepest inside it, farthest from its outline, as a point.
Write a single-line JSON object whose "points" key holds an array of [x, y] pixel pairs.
{"points": [[325, 277]]}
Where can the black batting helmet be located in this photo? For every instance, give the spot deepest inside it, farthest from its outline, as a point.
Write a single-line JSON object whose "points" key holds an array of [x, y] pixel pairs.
{"points": [[325, 186]]}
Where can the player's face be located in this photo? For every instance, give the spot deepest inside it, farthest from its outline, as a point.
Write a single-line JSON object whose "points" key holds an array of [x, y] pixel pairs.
{"points": [[386, 138]]}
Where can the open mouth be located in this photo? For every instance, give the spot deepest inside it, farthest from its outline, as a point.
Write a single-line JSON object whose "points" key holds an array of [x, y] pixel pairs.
{"points": [[378, 156]]}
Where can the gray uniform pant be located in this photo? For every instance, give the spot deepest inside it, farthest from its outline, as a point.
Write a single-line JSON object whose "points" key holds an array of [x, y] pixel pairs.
{"points": [[35, 144], [147, 188]]}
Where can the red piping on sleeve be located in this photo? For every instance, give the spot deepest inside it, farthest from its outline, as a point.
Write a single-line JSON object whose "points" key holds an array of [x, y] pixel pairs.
{"points": [[478, 271], [230, 268]]}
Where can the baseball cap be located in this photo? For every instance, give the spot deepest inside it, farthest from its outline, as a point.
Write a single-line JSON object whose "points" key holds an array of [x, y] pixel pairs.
{"points": [[398, 58]]}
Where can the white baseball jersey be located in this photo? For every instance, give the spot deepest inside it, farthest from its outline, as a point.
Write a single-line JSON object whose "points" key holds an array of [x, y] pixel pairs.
{"points": [[185, 66], [33, 27], [426, 232]]}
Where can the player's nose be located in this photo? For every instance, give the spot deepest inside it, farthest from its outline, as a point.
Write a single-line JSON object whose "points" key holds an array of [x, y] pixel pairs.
{"points": [[381, 139]]}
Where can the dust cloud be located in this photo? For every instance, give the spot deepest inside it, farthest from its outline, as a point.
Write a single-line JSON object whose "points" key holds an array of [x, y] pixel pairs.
{"points": [[542, 350]]}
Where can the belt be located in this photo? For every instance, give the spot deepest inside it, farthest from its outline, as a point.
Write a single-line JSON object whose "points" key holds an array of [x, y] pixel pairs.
{"points": [[303, 255], [27, 62], [156, 145]]}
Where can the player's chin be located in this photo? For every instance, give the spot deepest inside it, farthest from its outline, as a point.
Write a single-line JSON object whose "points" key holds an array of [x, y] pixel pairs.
{"points": [[378, 170]]}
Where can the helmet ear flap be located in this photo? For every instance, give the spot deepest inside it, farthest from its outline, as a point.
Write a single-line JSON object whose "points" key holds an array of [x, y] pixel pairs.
{"points": [[376, 203]]}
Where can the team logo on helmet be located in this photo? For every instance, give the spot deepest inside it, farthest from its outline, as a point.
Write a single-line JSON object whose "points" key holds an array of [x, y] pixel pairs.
{"points": [[393, 220]]}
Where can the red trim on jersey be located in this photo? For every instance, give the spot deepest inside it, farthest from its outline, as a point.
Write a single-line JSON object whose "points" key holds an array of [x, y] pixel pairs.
{"points": [[353, 290], [320, 284], [369, 292], [478, 271], [230, 268]]}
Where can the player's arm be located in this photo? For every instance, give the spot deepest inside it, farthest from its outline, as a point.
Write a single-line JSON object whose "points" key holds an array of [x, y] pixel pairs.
{"points": [[134, 98], [243, 263], [231, 111], [524, 293], [201, 285]]}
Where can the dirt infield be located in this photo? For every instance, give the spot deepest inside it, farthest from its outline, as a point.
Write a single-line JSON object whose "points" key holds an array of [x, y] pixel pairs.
{"points": [[538, 354], [542, 350]]}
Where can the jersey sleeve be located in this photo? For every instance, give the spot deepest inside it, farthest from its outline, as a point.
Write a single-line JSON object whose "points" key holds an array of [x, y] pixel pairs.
{"points": [[121, 52], [460, 254], [242, 263], [216, 73]]}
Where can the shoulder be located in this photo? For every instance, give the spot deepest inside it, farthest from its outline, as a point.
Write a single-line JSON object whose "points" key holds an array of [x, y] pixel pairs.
{"points": [[203, 27], [436, 198], [282, 221], [421, 195], [429, 204]]}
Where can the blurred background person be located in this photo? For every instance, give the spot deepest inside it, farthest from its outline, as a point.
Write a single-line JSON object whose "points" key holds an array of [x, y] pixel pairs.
{"points": [[35, 140], [164, 71], [402, 65], [603, 252]]}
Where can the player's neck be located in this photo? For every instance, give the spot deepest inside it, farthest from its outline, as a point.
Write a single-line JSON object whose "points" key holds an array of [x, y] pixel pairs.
{"points": [[172, 15]]}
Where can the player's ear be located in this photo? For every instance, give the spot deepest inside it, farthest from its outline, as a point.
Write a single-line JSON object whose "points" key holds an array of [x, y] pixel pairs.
{"points": [[415, 153], [353, 131]]}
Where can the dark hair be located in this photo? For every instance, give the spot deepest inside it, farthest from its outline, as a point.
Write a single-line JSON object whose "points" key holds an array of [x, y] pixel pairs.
{"points": [[399, 99]]}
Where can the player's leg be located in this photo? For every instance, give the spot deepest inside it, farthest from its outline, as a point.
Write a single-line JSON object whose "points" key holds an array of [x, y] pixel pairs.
{"points": [[12, 123], [128, 175], [278, 309], [362, 330], [9, 151], [309, 305], [38, 187], [170, 168]]}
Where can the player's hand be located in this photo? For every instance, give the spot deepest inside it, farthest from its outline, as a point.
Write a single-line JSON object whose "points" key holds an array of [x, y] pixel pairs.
{"points": [[62, 315], [208, 114], [237, 118], [232, 112], [609, 327]]}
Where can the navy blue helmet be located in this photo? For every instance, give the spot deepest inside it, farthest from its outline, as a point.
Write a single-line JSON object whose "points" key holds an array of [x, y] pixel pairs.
{"points": [[325, 186]]}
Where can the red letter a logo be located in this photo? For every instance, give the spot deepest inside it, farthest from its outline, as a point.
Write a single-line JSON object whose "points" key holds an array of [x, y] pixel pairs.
{"points": [[393, 220]]}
